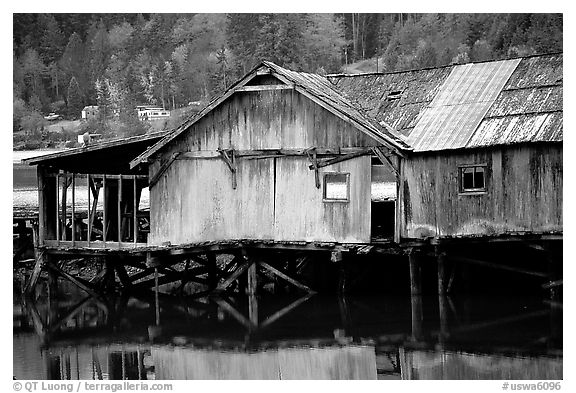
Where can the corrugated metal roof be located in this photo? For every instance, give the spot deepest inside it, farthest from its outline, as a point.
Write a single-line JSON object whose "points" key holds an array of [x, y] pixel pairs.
{"points": [[529, 108], [536, 127], [462, 102], [479, 106]]}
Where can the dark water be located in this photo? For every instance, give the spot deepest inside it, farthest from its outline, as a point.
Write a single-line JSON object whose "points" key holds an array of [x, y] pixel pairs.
{"points": [[291, 337]]}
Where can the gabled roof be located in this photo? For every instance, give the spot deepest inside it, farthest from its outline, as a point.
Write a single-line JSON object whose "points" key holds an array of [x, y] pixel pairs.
{"points": [[466, 106], [313, 86]]}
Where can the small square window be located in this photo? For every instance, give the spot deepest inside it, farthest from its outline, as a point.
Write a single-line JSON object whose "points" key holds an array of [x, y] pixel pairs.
{"points": [[336, 187], [473, 179]]}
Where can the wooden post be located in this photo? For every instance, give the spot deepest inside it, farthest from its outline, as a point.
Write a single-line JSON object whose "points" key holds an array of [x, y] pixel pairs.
{"points": [[96, 194], [64, 235], [47, 198], [338, 257], [398, 203], [119, 226], [252, 289], [212, 271], [41, 259], [156, 297], [89, 221], [415, 273], [441, 260], [73, 209], [104, 219], [416, 311], [58, 223], [443, 316], [135, 214]]}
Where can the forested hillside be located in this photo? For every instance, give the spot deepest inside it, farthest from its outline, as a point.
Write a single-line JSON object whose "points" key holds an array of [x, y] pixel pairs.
{"points": [[63, 62]]}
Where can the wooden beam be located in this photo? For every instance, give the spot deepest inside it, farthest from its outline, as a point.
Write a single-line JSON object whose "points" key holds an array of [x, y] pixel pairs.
{"points": [[41, 259], [230, 160], [386, 161], [154, 179], [342, 158], [313, 158], [266, 153], [279, 314], [80, 283], [264, 88], [241, 269], [285, 277], [233, 312]]}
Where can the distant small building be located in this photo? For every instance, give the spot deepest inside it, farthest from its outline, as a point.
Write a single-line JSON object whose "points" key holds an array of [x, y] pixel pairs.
{"points": [[147, 113], [90, 112]]}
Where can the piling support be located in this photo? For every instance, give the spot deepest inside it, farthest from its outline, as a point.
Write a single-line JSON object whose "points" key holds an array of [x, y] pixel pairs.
{"points": [[443, 316], [41, 259], [414, 259], [252, 299], [156, 297], [441, 261], [212, 271], [417, 316], [338, 257]]}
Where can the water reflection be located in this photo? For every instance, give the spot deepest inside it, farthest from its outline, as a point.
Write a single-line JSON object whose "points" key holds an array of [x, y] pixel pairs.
{"points": [[290, 337]]}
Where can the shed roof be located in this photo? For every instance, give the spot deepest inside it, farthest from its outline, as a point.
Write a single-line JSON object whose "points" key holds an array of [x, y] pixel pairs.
{"points": [[466, 106], [108, 156]]}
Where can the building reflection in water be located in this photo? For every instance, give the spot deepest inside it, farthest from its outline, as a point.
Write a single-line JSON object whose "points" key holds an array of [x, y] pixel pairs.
{"points": [[288, 337]]}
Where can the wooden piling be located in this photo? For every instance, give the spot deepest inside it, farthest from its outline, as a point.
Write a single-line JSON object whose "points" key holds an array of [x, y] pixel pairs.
{"points": [[212, 271], [156, 297], [415, 273], [338, 257], [416, 317], [441, 260], [443, 316], [41, 259]]}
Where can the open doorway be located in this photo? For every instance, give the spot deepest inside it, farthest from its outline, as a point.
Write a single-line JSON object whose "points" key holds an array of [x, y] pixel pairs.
{"points": [[383, 200]]}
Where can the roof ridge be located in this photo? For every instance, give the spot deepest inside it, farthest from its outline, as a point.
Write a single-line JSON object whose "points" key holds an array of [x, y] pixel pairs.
{"points": [[340, 75]]}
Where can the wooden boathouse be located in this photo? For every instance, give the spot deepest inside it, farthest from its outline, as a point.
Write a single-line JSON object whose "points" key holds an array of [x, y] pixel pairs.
{"points": [[406, 162]]}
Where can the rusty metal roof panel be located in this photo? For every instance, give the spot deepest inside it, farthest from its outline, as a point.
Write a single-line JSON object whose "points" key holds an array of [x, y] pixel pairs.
{"points": [[529, 100], [529, 108], [537, 71], [507, 130], [463, 100]]}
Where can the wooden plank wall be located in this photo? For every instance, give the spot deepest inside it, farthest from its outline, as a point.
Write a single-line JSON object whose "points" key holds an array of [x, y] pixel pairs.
{"points": [[268, 120], [524, 192], [194, 200], [302, 215]]}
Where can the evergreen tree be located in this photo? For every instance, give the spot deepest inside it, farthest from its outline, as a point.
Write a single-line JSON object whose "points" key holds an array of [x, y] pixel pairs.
{"points": [[51, 40], [75, 101]]}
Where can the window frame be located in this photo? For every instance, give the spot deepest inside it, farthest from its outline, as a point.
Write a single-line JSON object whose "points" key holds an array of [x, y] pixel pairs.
{"points": [[325, 175], [476, 190]]}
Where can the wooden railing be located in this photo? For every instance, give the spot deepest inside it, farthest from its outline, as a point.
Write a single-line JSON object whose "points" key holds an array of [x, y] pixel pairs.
{"points": [[113, 223]]}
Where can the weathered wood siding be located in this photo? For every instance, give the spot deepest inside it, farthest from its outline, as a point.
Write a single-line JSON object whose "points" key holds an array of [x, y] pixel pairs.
{"points": [[524, 192], [276, 198], [302, 215], [268, 120]]}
